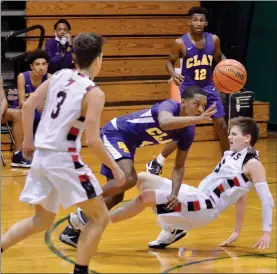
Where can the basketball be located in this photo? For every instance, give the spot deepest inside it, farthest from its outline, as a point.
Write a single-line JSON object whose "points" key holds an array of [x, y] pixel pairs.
{"points": [[229, 76]]}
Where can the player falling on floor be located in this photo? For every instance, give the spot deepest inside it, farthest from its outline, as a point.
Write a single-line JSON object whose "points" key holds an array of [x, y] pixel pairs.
{"points": [[58, 175], [198, 49], [162, 123], [238, 172]]}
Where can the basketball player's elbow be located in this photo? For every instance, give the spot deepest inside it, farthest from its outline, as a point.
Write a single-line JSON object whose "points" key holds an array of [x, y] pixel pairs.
{"points": [[165, 123]]}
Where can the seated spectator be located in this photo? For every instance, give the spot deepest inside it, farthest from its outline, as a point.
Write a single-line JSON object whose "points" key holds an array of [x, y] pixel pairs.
{"points": [[59, 48], [28, 81], [14, 116]]}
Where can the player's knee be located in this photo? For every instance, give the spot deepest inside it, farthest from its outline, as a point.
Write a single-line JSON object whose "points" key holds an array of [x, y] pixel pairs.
{"points": [[131, 180], [148, 197], [143, 177], [100, 218]]}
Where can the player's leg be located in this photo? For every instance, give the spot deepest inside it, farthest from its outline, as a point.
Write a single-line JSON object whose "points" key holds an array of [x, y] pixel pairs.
{"points": [[97, 220], [41, 221], [218, 118], [155, 166], [14, 115]]}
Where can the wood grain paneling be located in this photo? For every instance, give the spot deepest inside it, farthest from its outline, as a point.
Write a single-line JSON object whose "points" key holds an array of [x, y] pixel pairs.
{"points": [[149, 25], [128, 46], [67, 8]]}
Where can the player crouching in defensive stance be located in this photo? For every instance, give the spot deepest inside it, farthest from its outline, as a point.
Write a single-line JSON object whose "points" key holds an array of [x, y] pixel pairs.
{"points": [[237, 173]]}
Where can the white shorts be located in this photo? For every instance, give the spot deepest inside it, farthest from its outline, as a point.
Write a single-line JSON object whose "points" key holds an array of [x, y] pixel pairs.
{"points": [[195, 208], [59, 178]]}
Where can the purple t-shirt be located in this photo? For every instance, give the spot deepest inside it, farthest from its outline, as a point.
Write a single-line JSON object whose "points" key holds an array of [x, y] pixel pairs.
{"points": [[142, 128]]}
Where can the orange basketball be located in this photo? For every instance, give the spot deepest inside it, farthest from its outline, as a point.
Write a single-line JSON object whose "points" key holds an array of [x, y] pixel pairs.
{"points": [[229, 76]]}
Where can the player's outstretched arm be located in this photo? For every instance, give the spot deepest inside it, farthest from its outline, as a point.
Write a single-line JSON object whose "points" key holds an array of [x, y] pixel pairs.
{"points": [[240, 213], [28, 113], [94, 103], [169, 122], [258, 176]]}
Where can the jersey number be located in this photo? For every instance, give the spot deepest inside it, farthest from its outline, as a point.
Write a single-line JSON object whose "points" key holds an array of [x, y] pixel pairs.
{"points": [[200, 74], [55, 112]]}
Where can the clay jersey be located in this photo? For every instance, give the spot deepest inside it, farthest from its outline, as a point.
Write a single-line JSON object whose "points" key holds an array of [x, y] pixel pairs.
{"points": [[227, 183], [61, 124], [142, 128], [197, 64]]}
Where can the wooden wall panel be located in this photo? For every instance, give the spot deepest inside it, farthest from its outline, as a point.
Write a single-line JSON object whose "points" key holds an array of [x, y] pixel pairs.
{"points": [[124, 67], [150, 25], [124, 46], [133, 91], [67, 8]]}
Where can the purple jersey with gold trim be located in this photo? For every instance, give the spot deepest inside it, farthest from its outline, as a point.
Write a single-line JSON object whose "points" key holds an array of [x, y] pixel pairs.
{"points": [[197, 64], [142, 128]]}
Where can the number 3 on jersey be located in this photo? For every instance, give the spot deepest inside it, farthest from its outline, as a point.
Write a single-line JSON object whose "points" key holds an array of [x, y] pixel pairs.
{"points": [[60, 97], [200, 74]]}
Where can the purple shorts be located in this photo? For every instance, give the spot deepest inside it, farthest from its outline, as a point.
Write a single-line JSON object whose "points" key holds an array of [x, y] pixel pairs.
{"points": [[117, 147]]}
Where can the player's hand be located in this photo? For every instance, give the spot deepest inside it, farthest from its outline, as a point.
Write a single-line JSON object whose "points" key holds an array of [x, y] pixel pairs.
{"points": [[119, 176], [208, 113], [178, 79], [172, 201], [28, 149], [69, 38], [264, 241], [234, 236]]}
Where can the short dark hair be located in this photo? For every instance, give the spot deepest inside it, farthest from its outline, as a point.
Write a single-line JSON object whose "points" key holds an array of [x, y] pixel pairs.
{"points": [[198, 10], [87, 47], [62, 21], [37, 54], [189, 92], [247, 125]]}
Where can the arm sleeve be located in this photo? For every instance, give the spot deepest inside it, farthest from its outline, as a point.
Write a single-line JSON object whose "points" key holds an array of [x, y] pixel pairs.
{"points": [[267, 204]]}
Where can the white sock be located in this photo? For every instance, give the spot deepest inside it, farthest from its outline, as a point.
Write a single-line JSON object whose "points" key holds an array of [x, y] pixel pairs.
{"points": [[161, 159], [16, 152]]}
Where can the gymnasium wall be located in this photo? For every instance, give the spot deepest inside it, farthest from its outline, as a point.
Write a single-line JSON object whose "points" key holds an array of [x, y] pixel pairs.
{"points": [[139, 36], [262, 55]]}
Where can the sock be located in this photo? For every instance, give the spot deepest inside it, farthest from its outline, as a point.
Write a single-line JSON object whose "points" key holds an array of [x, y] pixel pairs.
{"points": [[80, 269], [16, 152], [161, 159]]}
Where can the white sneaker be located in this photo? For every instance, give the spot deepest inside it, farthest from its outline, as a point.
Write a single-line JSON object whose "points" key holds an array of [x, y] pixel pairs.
{"points": [[167, 237]]}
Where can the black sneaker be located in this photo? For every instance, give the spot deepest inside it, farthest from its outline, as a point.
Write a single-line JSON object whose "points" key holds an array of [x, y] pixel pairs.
{"points": [[70, 236], [154, 167], [19, 161]]}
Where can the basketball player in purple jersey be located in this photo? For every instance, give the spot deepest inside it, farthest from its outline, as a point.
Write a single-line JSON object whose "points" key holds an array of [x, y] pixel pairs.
{"points": [[197, 49], [28, 81], [162, 123]]}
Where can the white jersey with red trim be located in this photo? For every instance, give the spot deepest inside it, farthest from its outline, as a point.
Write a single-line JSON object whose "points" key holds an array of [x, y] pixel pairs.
{"points": [[61, 124], [227, 183]]}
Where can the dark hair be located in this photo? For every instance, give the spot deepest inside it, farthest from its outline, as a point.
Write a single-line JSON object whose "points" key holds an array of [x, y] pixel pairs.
{"points": [[247, 126], [37, 54], [62, 21], [87, 47], [198, 10], [189, 92]]}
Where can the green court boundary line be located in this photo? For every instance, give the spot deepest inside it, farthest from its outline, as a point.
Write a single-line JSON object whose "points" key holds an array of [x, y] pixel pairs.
{"points": [[52, 247], [169, 270]]}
